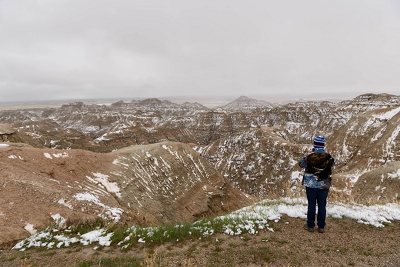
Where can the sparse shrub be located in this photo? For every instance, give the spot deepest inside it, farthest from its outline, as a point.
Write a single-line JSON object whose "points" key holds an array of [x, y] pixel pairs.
{"points": [[218, 249], [367, 252], [245, 238], [86, 264], [11, 258], [261, 253], [191, 250], [278, 241], [120, 262], [50, 253], [151, 260], [219, 240], [342, 250]]}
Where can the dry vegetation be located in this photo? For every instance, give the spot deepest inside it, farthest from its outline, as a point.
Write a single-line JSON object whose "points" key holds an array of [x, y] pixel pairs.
{"points": [[346, 243]]}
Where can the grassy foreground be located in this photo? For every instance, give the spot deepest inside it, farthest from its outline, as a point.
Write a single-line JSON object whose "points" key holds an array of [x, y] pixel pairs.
{"points": [[255, 236]]}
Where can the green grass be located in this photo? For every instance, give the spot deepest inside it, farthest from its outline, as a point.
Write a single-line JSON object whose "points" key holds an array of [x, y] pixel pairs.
{"points": [[86, 264], [218, 249], [260, 254], [200, 230], [10, 259], [115, 262], [87, 226], [141, 236]]}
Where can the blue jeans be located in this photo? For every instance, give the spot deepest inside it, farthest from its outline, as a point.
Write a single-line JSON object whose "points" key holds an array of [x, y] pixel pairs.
{"points": [[316, 196]]}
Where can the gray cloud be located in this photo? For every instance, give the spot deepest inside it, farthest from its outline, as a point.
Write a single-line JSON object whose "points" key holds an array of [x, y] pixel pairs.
{"points": [[90, 49]]}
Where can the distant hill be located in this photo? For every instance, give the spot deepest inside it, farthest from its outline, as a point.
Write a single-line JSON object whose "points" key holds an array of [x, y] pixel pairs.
{"points": [[245, 103]]}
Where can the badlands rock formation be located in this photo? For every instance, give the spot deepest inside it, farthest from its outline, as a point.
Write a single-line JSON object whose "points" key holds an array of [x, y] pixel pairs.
{"points": [[153, 161]]}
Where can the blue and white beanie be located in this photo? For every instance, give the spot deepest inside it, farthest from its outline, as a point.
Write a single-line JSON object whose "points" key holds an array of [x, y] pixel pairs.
{"points": [[319, 142]]}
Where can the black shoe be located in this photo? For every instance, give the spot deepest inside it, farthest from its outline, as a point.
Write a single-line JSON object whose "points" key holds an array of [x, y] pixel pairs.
{"points": [[310, 229], [321, 230]]}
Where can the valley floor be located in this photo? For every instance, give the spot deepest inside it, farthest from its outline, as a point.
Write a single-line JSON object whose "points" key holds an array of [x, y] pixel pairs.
{"points": [[345, 243]]}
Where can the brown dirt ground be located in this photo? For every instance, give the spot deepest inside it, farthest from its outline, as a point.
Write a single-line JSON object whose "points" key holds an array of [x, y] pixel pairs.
{"points": [[345, 243]]}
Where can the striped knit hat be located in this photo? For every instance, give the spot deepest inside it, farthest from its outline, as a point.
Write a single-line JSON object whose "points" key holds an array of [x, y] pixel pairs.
{"points": [[319, 142]]}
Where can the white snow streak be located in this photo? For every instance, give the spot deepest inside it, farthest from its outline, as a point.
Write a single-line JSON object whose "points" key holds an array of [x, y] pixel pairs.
{"points": [[387, 115], [394, 175], [110, 186]]}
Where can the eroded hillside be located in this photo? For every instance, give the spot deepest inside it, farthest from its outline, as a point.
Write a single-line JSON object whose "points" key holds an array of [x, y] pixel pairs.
{"points": [[160, 183], [260, 162]]}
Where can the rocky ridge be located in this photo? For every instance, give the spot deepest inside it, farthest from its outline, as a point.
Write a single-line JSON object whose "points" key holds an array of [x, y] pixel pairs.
{"points": [[245, 104]]}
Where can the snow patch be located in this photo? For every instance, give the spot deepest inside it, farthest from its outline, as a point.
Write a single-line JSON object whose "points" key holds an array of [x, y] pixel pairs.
{"points": [[394, 175], [387, 115], [30, 228], [15, 157], [61, 155], [111, 187], [118, 162], [61, 221], [109, 212], [102, 138], [88, 197], [96, 236]]}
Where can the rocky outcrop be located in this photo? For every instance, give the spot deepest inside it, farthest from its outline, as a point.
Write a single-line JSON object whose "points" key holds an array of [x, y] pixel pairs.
{"points": [[259, 162], [369, 140], [11, 134], [7, 133], [380, 185]]}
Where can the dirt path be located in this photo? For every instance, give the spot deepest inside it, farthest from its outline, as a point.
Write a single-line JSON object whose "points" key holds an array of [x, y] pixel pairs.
{"points": [[345, 243]]}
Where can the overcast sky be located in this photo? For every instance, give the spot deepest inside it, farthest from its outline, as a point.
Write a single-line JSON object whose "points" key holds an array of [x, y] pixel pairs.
{"points": [[80, 49]]}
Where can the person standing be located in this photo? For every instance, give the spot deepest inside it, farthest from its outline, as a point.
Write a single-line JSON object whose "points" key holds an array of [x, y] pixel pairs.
{"points": [[317, 180]]}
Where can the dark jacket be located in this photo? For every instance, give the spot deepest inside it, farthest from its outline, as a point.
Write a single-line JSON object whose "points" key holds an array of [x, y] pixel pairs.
{"points": [[318, 169]]}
